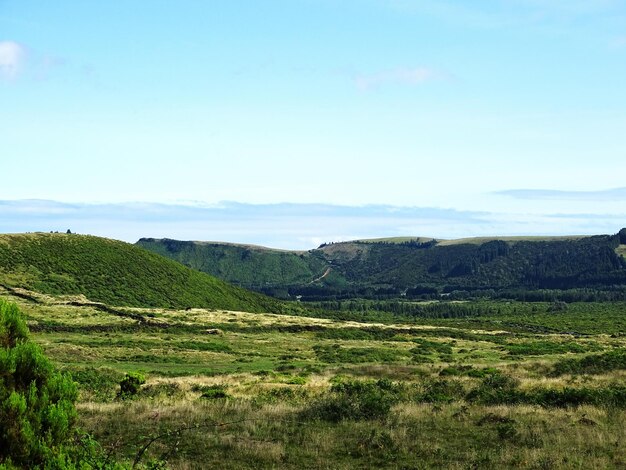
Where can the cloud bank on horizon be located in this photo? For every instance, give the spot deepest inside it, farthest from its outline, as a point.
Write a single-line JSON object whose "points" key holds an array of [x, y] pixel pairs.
{"points": [[287, 226]]}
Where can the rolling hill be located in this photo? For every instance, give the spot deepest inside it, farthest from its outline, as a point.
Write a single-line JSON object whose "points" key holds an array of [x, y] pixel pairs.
{"points": [[410, 266], [115, 273]]}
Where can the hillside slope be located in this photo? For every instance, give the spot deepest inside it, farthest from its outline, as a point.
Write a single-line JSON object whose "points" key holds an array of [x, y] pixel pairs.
{"points": [[415, 266], [250, 266], [116, 273]]}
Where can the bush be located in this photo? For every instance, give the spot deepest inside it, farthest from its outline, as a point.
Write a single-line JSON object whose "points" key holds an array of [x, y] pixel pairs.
{"points": [[440, 391], [214, 391], [37, 412], [130, 385], [98, 383], [497, 388], [501, 389], [612, 395], [356, 400], [592, 364]]}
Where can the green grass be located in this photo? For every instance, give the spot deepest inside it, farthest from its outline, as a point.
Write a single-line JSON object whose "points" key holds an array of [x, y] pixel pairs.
{"points": [[115, 273], [507, 388], [247, 265]]}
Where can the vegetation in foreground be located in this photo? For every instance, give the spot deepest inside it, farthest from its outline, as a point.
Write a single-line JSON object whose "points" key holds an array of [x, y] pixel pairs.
{"points": [[227, 389]]}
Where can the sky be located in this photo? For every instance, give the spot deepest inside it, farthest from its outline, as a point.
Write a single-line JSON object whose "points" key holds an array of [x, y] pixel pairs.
{"points": [[509, 114]]}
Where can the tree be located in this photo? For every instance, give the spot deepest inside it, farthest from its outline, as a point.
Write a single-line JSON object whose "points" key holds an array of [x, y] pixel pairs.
{"points": [[37, 412]]}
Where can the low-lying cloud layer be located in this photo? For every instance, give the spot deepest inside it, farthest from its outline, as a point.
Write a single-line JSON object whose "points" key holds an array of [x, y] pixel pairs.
{"points": [[289, 226]]}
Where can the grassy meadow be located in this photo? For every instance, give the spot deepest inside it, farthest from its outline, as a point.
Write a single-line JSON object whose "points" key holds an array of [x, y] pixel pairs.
{"points": [[537, 387]]}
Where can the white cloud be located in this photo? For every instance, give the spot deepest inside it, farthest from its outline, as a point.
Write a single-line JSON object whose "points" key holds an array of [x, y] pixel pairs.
{"points": [[12, 56], [404, 76]]}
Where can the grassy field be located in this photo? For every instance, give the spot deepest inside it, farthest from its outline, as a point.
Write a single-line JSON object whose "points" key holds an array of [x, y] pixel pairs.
{"points": [[530, 388]]}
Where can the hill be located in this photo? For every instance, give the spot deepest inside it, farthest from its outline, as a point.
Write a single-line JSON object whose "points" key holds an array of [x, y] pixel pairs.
{"points": [[116, 273], [250, 266], [411, 266]]}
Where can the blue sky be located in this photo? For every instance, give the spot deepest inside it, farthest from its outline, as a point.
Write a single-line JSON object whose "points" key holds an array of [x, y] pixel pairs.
{"points": [[502, 107]]}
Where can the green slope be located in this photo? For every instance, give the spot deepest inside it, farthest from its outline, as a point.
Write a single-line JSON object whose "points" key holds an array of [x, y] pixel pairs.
{"points": [[116, 273], [246, 265], [411, 265]]}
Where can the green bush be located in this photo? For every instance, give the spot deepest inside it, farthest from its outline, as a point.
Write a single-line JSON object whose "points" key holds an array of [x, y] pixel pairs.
{"points": [[37, 412], [592, 364], [612, 395], [213, 392], [130, 385], [439, 391], [356, 400], [538, 348], [99, 383], [497, 388]]}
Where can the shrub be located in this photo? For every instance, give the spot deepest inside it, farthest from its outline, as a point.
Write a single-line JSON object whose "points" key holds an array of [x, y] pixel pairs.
{"points": [[497, 388], [612, 395], [592, 364], [130, 385], [160, 390], [537, 348], [99, 383], [37, 412], [213, 391], [439, 391], [356, 400]]}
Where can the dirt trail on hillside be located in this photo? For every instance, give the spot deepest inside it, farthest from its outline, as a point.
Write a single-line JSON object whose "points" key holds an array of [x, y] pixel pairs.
{"points": [[326, 273]]}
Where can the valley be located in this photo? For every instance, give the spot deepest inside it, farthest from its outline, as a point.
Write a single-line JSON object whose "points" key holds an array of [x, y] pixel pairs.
{"points": [[230, 379]]}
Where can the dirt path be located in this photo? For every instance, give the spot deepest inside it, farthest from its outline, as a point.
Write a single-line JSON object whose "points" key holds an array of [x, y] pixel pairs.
{"points": [[326, 273]]}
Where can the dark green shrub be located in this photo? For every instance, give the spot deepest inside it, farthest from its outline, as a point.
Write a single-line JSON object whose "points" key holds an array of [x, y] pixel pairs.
{"points": [[439, 391], [425, 346], [37, 412], [592, 364], [100, 383], [130, 385], [497, 388], [213, 391], [538, 348], [163, 389], [613, 395], [356, 400]]}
